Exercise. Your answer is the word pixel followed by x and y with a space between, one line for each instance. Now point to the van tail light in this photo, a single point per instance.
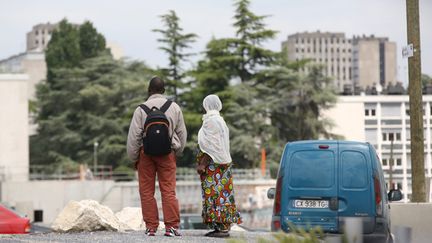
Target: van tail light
pixel 277 201
pixel 378 198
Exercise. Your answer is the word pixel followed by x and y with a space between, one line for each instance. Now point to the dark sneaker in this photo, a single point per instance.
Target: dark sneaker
pixel 217 234
pixel 150 232
pixel 171 232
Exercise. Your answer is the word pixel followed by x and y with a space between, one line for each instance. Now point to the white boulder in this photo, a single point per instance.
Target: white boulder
pixel 237 228
pixel 87 215
pixel 132 218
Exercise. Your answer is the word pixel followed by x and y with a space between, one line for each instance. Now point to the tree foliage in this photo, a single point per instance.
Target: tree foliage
pixel 174 42
pixel 70 44
pixel 86 104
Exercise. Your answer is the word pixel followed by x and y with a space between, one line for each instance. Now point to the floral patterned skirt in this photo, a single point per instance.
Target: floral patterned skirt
pixel 219 209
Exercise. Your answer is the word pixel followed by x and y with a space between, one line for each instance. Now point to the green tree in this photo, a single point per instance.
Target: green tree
pixel 229 59
pixel 251 33
pixel 174 42
pixel 70 44
pixel 63 49
pixel 90 41
pixel 426 79
pixel 92 102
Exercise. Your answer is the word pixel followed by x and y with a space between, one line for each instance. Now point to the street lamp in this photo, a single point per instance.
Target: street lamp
pixel 95 147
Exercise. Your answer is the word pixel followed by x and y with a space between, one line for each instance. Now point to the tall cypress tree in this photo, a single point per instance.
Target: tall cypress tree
pixel 251 33
pixel 174 42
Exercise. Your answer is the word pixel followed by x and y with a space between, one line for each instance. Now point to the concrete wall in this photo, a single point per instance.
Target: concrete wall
pixel 390 57
pixel 14 135
pixel 368 62
pixel 50 196
pixel 417 216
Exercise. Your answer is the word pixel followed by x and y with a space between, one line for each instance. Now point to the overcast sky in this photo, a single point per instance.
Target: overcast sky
pixel 129 23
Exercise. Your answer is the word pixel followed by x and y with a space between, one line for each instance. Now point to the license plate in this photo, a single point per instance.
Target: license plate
pixel 311 204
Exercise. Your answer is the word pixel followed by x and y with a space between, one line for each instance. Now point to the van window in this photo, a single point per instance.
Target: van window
pixel 312 169
pixel 354 170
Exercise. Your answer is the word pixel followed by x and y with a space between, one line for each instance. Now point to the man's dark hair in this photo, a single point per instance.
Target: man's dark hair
pixel 156 86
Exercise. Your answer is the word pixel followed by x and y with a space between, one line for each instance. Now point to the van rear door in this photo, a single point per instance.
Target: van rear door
pixel 310 194
pixel 356 198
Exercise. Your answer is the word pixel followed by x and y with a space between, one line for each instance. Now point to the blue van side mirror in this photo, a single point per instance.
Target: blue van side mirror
pixel 394 195
pixel 271 193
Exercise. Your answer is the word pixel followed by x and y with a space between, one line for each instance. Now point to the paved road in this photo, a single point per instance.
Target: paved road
pixel 136 236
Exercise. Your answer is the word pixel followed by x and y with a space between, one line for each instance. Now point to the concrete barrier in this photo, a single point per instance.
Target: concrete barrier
pixel 417 216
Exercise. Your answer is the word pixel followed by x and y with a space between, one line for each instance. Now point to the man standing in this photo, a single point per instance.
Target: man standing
pixel 156 121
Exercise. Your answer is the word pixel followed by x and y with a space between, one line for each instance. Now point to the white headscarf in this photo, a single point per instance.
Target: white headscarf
pixel 213 137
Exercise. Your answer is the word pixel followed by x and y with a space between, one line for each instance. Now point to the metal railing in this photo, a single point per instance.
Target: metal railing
pixel 106 173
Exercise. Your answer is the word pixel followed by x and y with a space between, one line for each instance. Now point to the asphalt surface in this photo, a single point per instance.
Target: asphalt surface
pixel 134 236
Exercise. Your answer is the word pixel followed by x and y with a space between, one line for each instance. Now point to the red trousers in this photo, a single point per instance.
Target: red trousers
pixel 165 169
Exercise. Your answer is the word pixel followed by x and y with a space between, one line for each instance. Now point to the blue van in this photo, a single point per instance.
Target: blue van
pixel 320 183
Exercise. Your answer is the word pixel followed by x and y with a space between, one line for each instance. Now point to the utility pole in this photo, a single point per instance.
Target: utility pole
pixel 416 103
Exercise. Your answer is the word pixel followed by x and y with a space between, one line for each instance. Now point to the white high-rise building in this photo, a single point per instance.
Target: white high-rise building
pixel 378 119
pixel 360 61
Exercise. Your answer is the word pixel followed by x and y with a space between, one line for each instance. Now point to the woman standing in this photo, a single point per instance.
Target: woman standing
pixel 214 166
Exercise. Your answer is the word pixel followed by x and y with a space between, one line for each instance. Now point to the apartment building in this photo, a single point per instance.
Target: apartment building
pixel 359 61
pixel 39 36
pixel 379 119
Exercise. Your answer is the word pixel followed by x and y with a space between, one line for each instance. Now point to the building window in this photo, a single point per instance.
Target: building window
pixel 337 50
pixel 302 41
pixel 297 50
pixel 366 112
pixel 302 50
pixel 389 136
pixel 37 42
pixel 36 32
pixel 296 41
pixel 308 50
pixel 373 112
pixel 384 162
pixel 331 50
pixel 398 162
pixel 343 50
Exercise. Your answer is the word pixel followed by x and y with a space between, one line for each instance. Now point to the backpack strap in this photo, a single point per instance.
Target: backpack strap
pixel 145 108
pixel 165 106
